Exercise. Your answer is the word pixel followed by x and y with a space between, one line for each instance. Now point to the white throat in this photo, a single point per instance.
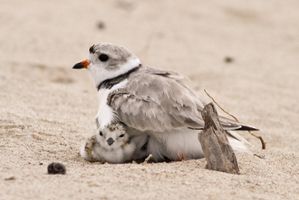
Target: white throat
pixel 100 74
pixel 105 114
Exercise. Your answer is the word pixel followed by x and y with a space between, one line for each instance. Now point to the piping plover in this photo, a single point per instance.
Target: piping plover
pixel 112 144
pixel 150 101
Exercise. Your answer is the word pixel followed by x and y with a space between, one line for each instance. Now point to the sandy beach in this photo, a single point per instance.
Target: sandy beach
pixel 47 110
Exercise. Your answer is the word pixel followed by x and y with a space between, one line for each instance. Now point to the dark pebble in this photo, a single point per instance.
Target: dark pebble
pixel 101 25
pixel 56 168
pixel 10 178
pixel 228 59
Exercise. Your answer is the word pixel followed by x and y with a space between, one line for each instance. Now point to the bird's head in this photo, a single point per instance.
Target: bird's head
pixel 107 61
pixel 112 137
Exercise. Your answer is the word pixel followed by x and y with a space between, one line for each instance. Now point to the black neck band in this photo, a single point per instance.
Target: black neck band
pixel 109 83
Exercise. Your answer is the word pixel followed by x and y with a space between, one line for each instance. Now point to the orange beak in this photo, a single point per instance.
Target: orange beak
pixel 81 65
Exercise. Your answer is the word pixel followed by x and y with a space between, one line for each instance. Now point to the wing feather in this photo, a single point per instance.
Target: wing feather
pixel 158 101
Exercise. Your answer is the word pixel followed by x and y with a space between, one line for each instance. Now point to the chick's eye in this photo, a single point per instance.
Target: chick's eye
pixel 122 135
pixel 103 57
pixel 101 133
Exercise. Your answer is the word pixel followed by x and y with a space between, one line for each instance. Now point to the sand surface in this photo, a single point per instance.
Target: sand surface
pixel 47 109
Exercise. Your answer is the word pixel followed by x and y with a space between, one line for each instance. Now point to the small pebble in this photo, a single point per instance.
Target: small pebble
pixel 101 25
pixel 56 168
pixel 10 178
pixel 228 59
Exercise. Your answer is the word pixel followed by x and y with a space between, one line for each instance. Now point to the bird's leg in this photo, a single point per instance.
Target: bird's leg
pixel 181 156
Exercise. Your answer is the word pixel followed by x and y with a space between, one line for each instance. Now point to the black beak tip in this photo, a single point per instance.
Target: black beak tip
pixel 110 141
pixel 78 66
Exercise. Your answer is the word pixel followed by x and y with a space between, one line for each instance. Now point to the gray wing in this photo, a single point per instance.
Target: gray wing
pixel 158 101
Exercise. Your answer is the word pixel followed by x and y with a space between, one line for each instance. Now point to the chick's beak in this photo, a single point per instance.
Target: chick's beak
pixel 81 65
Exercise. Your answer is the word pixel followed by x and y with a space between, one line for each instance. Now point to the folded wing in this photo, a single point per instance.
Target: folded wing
pixel 158 101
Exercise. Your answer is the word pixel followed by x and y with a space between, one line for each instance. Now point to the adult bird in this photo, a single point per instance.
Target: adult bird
pixel 151 101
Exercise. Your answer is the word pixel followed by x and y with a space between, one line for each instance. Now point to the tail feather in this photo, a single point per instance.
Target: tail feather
pixel 238 146
pixel 238 143
pixel 247 128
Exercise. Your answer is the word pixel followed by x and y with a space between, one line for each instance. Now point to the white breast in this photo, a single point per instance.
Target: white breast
pixel 176 145
pixel 105 113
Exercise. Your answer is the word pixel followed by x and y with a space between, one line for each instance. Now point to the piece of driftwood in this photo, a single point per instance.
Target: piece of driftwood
pixel 217 150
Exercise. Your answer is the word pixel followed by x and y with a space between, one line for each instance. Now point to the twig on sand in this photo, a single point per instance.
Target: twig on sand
pixel 259 156
pixel 237 120
pixel 260 138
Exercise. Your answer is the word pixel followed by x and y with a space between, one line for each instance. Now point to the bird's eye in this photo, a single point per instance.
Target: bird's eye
pixel 103 57
pixel 122 135
pixel 101 133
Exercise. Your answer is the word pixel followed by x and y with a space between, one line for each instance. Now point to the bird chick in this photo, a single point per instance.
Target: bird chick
pixel 111 144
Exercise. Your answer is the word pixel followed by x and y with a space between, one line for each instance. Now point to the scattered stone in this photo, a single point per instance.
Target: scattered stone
pixel 101 25
pixel 125 5
pixel 228 59
pixel 11 178
pixel 56 168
